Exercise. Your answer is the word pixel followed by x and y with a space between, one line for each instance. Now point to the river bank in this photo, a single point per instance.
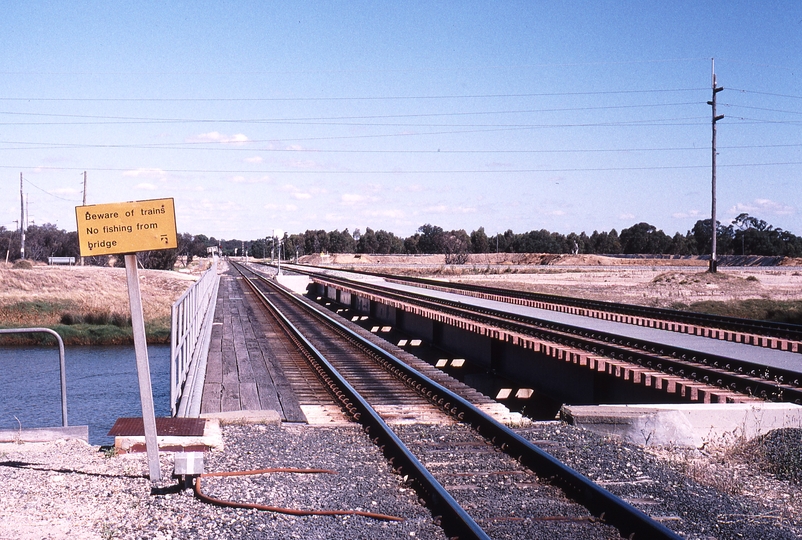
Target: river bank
pixel 87 305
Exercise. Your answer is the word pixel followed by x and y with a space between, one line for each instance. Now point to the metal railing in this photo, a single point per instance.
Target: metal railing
pixel 61 362
pixel 192 315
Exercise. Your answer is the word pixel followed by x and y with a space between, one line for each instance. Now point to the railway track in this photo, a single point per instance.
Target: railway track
pixel 755 332
pixel 483 463
pixel 709 377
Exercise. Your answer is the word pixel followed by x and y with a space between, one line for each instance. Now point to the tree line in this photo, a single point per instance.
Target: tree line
pixel 746 235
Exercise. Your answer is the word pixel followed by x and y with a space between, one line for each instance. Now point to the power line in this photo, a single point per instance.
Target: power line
pixel 333 118
pixel 233 148
pixel 791 96
pixel 647 122
pixel 358 98
pixel 783 111
pixel 416 171
pixel 47 192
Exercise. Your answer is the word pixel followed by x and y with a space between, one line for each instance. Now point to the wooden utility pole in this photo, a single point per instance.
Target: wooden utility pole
pixel 713 223
pixel 21 219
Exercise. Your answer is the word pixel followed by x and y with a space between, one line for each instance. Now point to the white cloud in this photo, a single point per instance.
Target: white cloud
pixel 688 214
pixel 302 164
pixel 217 137
pixel 355 199
pixel 254 159
pixel 763 206
pixel 390 212
pixel 301 195
pixel 145 173
pixel 414 188
pixel 445 209
pixel 285 207
pixel 249 180
pixel 64 191
pixel 352 198
pixel 626 216
pixel 145 185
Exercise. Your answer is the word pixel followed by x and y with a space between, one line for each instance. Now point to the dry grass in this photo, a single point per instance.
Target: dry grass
pixel 739 467
pixel 44 295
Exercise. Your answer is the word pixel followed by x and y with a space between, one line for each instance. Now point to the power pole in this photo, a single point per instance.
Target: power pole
pixel 21 219
pixel 712 103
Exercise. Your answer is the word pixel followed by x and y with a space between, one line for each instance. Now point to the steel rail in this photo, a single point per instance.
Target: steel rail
pixel 732 374
pixel 734 324
pixel 453 518
pixel 631 522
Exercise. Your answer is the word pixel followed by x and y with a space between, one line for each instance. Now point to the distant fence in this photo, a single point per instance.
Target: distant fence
pixel 192 316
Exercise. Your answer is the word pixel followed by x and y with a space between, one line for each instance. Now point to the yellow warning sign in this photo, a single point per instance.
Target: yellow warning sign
pixel 116 228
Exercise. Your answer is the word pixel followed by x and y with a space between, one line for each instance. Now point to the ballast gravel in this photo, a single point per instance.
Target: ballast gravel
pixel 663 489
pixel 68 489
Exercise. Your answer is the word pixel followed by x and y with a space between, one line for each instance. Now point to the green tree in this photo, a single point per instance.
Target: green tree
pixel 368 243
pixel 644 238
pixel 431 239
pixel 480 243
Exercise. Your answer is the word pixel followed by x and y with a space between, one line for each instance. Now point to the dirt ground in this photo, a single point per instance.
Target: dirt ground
pixel 650 282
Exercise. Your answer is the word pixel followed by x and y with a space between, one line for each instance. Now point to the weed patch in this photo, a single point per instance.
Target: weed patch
pixel 756 309
pixel 778 452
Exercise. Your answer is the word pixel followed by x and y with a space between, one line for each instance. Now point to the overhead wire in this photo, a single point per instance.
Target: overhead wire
pixel 358 117
pixel 411 171
pixel 362 98
pixel 47 192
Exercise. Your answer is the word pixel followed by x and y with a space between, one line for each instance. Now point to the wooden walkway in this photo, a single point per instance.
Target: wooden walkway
pixel 241 371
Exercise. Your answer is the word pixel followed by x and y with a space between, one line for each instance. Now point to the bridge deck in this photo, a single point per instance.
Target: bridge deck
pixel 241 371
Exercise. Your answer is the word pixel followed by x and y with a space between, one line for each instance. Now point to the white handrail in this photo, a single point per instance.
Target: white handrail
pixel 192 315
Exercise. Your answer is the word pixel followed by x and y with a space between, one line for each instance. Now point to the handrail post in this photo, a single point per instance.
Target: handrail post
pixel 62 366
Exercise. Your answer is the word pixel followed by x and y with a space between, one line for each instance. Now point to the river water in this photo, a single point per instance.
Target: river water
pixel 102 386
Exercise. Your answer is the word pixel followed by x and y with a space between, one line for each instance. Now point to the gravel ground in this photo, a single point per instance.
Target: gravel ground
pixel 700 494
pixel 68 489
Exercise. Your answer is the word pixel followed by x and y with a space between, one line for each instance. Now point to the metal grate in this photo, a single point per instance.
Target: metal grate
pixel 170 427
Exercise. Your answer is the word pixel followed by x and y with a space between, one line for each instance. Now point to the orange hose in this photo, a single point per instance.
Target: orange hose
pixel 231 504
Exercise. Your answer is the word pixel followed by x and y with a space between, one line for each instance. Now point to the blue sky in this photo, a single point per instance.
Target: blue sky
pixel 568 116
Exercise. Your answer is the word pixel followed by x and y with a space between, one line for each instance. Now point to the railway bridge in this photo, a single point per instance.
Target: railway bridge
pixel 434 376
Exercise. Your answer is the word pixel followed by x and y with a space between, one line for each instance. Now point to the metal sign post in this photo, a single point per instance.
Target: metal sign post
pixel 143 367
pixel 124 229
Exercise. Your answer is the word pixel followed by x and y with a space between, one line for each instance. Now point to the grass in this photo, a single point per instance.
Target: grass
pixel 778 452
pixel 157 332
pixel 756 309
pixel 85 305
